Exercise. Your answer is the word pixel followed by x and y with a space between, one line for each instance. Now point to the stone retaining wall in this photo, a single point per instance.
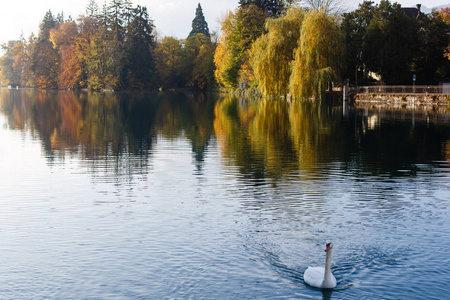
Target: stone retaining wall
pixel 407 99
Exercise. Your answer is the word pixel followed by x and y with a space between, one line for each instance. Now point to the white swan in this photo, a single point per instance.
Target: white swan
pixel 321 277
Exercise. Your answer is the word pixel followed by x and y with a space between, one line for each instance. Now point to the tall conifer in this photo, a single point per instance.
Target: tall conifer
pixel 199 24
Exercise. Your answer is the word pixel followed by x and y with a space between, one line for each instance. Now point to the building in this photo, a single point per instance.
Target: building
pixel 414 12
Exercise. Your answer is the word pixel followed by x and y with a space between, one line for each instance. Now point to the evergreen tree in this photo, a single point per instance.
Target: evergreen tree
pixel 92 9
pixel 199 24
pixel 239 31
pixel 140 45
pixel 44 59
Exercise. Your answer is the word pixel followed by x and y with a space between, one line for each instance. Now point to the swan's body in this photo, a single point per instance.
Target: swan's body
pixel 321 277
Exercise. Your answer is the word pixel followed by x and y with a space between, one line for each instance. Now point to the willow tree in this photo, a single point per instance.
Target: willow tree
pixel 318 58
pixel 273 52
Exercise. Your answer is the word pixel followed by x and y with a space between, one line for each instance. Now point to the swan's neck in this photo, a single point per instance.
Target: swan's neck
pixel 327 275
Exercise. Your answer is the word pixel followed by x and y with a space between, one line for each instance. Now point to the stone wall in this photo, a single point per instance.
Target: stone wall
pixel 404 99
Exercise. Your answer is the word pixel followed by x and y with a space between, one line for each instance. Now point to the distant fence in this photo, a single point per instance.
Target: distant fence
pixel 402 89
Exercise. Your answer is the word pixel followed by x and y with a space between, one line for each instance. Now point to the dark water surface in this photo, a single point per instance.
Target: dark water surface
pixel 139 196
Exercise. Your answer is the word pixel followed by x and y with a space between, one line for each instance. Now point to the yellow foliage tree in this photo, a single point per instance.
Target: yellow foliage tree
pixel 273 52
pixel 168 60
pixel 319 56
pixel 239 32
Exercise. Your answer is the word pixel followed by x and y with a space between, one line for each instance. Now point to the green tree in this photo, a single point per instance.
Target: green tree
pixel 354 25
pixel 232 57
pixel 202 73
pixel 168 61
pixel 100 63
pixel 190 50
pixel 199 24
pixel 390 43
pixel 92 9
pixel 44 59
pixel 430 63
pixel 141 70
pixel 118 17
pixel 272 7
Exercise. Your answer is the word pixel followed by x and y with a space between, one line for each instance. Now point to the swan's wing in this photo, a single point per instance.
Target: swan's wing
pixel 314 276
pixel 333 280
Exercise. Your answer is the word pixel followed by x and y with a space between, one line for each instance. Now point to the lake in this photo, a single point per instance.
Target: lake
pixel 185 196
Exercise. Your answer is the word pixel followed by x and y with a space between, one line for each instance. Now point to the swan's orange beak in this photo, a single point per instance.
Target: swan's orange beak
pixel 327 247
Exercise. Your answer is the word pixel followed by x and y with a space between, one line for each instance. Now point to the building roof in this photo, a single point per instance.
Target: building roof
pixel 414 12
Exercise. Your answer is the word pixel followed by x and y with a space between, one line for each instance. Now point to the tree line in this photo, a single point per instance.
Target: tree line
pixel 303 49
pixel 275 46
pixel 113 47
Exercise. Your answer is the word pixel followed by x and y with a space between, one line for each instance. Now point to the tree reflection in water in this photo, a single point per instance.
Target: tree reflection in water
pixel 264 139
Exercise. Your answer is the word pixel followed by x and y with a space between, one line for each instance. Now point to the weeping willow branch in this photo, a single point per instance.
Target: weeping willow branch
pixel 318 59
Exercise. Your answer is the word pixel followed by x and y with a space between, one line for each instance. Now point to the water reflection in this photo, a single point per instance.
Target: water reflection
pixel 109 127
pixel 270 139
pixel 239 193
pixel 265 139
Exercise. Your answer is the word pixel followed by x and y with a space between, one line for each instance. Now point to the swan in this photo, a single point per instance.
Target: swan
pixel 321 277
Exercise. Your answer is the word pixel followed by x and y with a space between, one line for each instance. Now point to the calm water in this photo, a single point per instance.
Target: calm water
pixel 139 196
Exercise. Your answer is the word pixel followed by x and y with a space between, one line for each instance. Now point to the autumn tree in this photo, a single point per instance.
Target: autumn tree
pixel 273 52
pixel 201 70
pixel 232 57
pixel 100 64
pixel 10 69
pixel 88 26
pixel 63 38
pixel 444 14
pixel 318 57
pixel 44 59
pixel 168 61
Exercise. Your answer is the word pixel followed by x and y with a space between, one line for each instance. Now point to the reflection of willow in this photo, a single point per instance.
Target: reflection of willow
pixel 311 131
pixel 272 138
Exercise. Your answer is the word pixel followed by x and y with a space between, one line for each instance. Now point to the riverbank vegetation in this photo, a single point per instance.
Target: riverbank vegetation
pixel 276 47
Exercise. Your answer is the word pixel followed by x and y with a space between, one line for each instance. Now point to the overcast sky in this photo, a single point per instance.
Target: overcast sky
pixel 170 17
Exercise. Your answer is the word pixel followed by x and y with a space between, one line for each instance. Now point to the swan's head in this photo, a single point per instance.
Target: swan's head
pixel 329 246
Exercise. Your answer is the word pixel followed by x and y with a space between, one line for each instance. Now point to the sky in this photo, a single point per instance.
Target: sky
pixel 171 18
